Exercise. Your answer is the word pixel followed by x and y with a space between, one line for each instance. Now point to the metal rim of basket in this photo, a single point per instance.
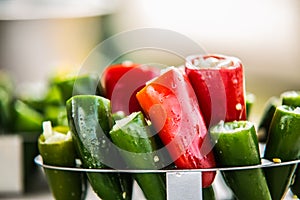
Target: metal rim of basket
pixel 264 163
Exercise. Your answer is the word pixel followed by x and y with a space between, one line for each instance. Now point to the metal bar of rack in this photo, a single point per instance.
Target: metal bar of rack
pixel 180 184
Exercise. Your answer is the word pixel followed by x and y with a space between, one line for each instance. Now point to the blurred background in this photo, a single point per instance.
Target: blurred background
pixel 38 38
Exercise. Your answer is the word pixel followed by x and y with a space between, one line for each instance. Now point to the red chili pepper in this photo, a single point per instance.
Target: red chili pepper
pixel 171 104
pixel 121 83
pixel 218 82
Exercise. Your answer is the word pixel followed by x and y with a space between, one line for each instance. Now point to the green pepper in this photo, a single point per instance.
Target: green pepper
pixel 290 98
pixel 25 118
pixel 165 161
pixel 90 121
pixel 77 85
pixel 56 114
pixel 131 134
pixel 295 187
pixel 265 121
pixel 236 145
pixel 6 98
pixel 5 116
pixel 208 193
pixel 53 96
pixel 57 148
pixel 283 144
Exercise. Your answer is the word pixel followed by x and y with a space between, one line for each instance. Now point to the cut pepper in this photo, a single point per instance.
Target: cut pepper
pixel 131 134
pixel 236 145
pixel 290 98
pixel 219 84
pixel 284 143
pixel 171 104
pixel 57 149
pixel 90 121
pixel 121 83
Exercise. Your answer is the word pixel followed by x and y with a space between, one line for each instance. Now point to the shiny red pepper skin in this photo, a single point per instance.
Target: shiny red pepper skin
pixel 220 90
pixel 171 104
pixel 122 81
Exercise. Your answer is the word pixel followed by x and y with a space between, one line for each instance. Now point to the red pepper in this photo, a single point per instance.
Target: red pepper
pixel 171 104
pixel 218 82
pixel 121 83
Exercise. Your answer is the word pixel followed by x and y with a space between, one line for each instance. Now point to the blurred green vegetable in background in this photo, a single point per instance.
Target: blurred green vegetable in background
pixel 22 112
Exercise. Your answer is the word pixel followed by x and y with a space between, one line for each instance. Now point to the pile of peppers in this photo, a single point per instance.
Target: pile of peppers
pixel 280 125
pixel 190 117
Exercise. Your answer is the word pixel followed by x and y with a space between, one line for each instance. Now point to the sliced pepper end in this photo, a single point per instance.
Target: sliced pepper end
pixel 212 61
pixel 290 98
pixel 229 136
pixel 232 127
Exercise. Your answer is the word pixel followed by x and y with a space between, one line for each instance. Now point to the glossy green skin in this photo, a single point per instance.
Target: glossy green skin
pixel 238 146
pixel 284 143
pixel 136 147
pixel 293 101
pixel 63 184
pixel 90 120
pixel 266 119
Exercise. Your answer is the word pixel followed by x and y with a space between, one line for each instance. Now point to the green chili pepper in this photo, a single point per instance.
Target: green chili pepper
pixel 131 134
pixel 6 98
pixel 265 121
pixel 25 118
pixel 56 114
pixel 236 145
pixel 290 98
pixel 208 193
pixel 90 121
pixel 53 96
pixel 77 85
pixel 5 116
pixel 283 144
pixel 295 187
pixel 56 148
